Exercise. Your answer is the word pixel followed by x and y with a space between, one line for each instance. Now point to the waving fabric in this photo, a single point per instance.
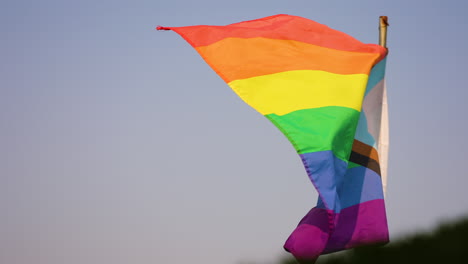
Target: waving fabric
pixel 324 90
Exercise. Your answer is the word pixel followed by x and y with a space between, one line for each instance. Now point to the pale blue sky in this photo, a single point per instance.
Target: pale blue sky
pixel 119 145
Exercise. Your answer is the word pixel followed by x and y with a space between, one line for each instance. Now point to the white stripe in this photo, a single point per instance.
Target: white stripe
pixel 383 144
pixel 372 108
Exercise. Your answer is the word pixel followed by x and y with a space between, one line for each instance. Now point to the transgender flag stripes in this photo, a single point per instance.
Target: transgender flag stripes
pixel 361 218
pixel 315 84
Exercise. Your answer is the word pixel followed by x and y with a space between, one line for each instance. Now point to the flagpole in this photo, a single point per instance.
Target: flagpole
pixel 384 141
pixel 383 31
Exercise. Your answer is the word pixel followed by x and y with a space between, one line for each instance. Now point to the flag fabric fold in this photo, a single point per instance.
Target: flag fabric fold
pixel 324 90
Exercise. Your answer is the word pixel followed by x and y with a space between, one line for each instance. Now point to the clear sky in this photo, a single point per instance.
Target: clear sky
pixel 119 145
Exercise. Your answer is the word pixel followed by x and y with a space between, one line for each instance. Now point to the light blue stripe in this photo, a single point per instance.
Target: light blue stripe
pixel 362 132
pixel 376 75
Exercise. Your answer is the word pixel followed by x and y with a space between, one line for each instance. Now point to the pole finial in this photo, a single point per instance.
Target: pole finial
pixel 383 24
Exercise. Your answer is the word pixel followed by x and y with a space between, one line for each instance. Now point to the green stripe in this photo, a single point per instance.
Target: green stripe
pixel 320 129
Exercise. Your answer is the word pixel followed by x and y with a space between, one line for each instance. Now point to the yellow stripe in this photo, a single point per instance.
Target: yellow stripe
pixel 285 92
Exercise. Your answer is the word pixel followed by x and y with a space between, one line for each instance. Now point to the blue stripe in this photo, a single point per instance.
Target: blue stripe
pixel 360 185
pixel 326 172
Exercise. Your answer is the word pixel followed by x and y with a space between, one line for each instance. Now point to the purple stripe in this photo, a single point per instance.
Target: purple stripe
pixel 317 217
pixel 361 224
pixel 371 225
pixel 358 225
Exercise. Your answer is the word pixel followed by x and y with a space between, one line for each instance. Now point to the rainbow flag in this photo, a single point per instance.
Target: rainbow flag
pixel 324 90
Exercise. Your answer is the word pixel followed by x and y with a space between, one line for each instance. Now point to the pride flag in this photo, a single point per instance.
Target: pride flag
pixel 324 90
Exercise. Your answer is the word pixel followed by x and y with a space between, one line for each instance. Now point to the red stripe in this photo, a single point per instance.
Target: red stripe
pixel 283 27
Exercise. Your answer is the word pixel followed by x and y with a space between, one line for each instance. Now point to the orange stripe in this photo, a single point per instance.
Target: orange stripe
pixel 239 58
pixel 278 27
pixel 365 150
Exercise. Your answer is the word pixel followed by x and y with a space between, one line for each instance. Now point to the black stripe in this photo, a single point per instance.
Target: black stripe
pixel 365 161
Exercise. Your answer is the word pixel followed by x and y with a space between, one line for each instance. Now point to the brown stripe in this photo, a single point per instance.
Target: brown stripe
pixel 365 150
pixel 365 162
